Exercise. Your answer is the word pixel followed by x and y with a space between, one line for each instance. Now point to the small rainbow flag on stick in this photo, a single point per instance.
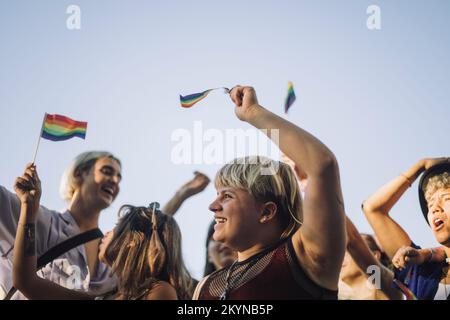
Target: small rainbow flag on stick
pixel 290 97
pixel 189 100
pixel 58 128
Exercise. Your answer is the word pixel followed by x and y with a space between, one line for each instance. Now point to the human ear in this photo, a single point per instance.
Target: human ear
pixel 269 212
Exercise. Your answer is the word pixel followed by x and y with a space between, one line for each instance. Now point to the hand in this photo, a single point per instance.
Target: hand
pixel 406 256
pixel 428 163
pixel 196 185
pixel 28 187
pixel 246 102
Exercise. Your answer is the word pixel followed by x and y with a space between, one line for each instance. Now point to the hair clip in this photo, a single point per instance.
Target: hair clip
pixel 154 206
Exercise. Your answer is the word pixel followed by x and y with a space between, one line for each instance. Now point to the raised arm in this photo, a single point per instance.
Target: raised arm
pixel 28 189
pixel 323 229
pixel 190 188
pixel 377 207
pixel 363 257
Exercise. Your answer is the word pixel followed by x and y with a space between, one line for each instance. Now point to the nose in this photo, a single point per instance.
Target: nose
pixel 215 206
pixel 116 179
pixel 435 208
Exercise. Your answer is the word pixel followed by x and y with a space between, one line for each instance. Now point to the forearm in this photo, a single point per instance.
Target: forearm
pixel 25 278
pixel 358 249
pixel 437 254
pixel 174 203
pixel 24 259
pixel 304 149
pixel 387 196
pixel 368 263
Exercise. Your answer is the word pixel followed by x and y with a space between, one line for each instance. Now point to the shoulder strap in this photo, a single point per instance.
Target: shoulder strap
pixel 62 248
pixel 68 245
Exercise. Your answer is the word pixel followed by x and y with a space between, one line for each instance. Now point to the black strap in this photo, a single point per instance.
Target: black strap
pixel 62 248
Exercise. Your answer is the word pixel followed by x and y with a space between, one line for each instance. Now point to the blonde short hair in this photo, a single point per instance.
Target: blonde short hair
pixel 440 181
pixel 266 180
pixel 83 162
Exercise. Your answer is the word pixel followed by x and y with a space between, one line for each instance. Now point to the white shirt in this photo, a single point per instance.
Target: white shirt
pixel 443 292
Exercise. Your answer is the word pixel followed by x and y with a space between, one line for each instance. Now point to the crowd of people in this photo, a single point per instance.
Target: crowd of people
pixel 280 231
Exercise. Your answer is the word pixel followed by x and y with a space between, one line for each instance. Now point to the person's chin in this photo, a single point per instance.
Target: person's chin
pixel 105 202
pixel 217 236
pixel 443 239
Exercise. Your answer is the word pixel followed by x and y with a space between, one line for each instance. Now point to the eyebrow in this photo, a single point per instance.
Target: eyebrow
pixel 107 166
pixel 226 190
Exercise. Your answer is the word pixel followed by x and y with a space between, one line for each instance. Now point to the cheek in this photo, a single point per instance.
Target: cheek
pixel 446 208
pixel 429 218
pixel 98 177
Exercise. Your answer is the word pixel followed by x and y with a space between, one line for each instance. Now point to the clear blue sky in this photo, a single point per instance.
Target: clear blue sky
pixel 378 99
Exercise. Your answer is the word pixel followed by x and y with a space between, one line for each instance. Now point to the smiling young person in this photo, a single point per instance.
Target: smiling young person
pixel 430 279
pixel 90 184
pixel 143 251
pixel 283 243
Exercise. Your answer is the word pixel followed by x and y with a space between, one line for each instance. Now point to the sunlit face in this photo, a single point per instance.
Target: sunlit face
pixel 439 215
pixel 220 255
pixel 104 245
pixel 100 186
pixel 236 213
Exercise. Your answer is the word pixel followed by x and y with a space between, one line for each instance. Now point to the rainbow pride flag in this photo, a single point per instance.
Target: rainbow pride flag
pixel 59 128
pixel 191 99
pixel 290 97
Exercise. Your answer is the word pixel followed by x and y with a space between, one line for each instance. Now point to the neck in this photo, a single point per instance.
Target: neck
pixel 447 251
pixel 259 247
pixel 84 215
pixel 446 269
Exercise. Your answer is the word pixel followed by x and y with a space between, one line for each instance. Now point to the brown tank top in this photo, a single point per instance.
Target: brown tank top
pixel 273 274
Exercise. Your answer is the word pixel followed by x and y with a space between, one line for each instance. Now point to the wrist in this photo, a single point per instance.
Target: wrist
pixel 413 172
pixel 28 213
pixel 258 116
pixel 420 166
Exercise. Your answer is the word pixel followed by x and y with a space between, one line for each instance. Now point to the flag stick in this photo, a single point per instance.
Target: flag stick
pixel 39 139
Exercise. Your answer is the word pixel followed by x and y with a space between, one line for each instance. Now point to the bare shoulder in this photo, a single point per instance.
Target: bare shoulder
pixel 162 291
